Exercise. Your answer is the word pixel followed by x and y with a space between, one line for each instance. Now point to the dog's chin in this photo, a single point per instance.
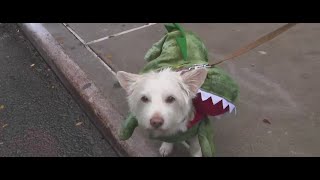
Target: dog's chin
pixel 156 132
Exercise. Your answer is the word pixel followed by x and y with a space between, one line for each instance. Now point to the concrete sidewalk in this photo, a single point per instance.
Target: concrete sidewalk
pixel 278 81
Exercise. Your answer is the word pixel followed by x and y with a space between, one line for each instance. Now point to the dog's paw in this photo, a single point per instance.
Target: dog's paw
pixel 197 154
pixel 165 149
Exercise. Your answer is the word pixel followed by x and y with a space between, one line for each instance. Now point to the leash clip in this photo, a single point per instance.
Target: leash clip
pixel 196 66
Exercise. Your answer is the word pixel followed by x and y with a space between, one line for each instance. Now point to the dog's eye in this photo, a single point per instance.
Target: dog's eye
pixel 170 99
pixel 144 99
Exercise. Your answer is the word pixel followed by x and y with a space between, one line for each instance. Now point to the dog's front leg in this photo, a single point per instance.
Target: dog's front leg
pixel 195 148
pixel 165 149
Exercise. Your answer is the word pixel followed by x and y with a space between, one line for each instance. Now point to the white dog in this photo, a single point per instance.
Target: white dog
pixel 162 102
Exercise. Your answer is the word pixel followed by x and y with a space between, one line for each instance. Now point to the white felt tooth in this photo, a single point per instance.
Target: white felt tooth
pixel 204 96
pixel 215 99
pixel 201 91
pixel 224 103
pixel 231 107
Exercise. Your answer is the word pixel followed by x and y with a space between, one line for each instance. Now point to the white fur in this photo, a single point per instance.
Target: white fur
pixel 157 87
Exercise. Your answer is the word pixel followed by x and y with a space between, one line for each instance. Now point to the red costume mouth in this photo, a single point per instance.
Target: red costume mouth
pixel 207 104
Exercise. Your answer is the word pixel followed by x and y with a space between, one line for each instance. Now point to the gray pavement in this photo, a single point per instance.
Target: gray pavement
pixel 278 80
pixel 38 117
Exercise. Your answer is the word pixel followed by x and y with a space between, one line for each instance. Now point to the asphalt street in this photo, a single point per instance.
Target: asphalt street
pixel 38 117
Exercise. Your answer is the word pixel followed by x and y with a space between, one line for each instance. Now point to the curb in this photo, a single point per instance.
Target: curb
pixel 84 91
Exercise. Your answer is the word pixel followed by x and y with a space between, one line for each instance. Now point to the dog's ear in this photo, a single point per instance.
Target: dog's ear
pixel 194 79
pixel 126 79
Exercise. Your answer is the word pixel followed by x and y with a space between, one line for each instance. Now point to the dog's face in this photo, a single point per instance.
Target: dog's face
pixel 161 101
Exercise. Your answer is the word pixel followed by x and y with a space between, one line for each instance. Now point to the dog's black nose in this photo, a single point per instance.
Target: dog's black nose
pixel 156 122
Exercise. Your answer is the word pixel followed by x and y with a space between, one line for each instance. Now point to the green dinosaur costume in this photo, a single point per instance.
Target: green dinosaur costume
pixel 180 49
